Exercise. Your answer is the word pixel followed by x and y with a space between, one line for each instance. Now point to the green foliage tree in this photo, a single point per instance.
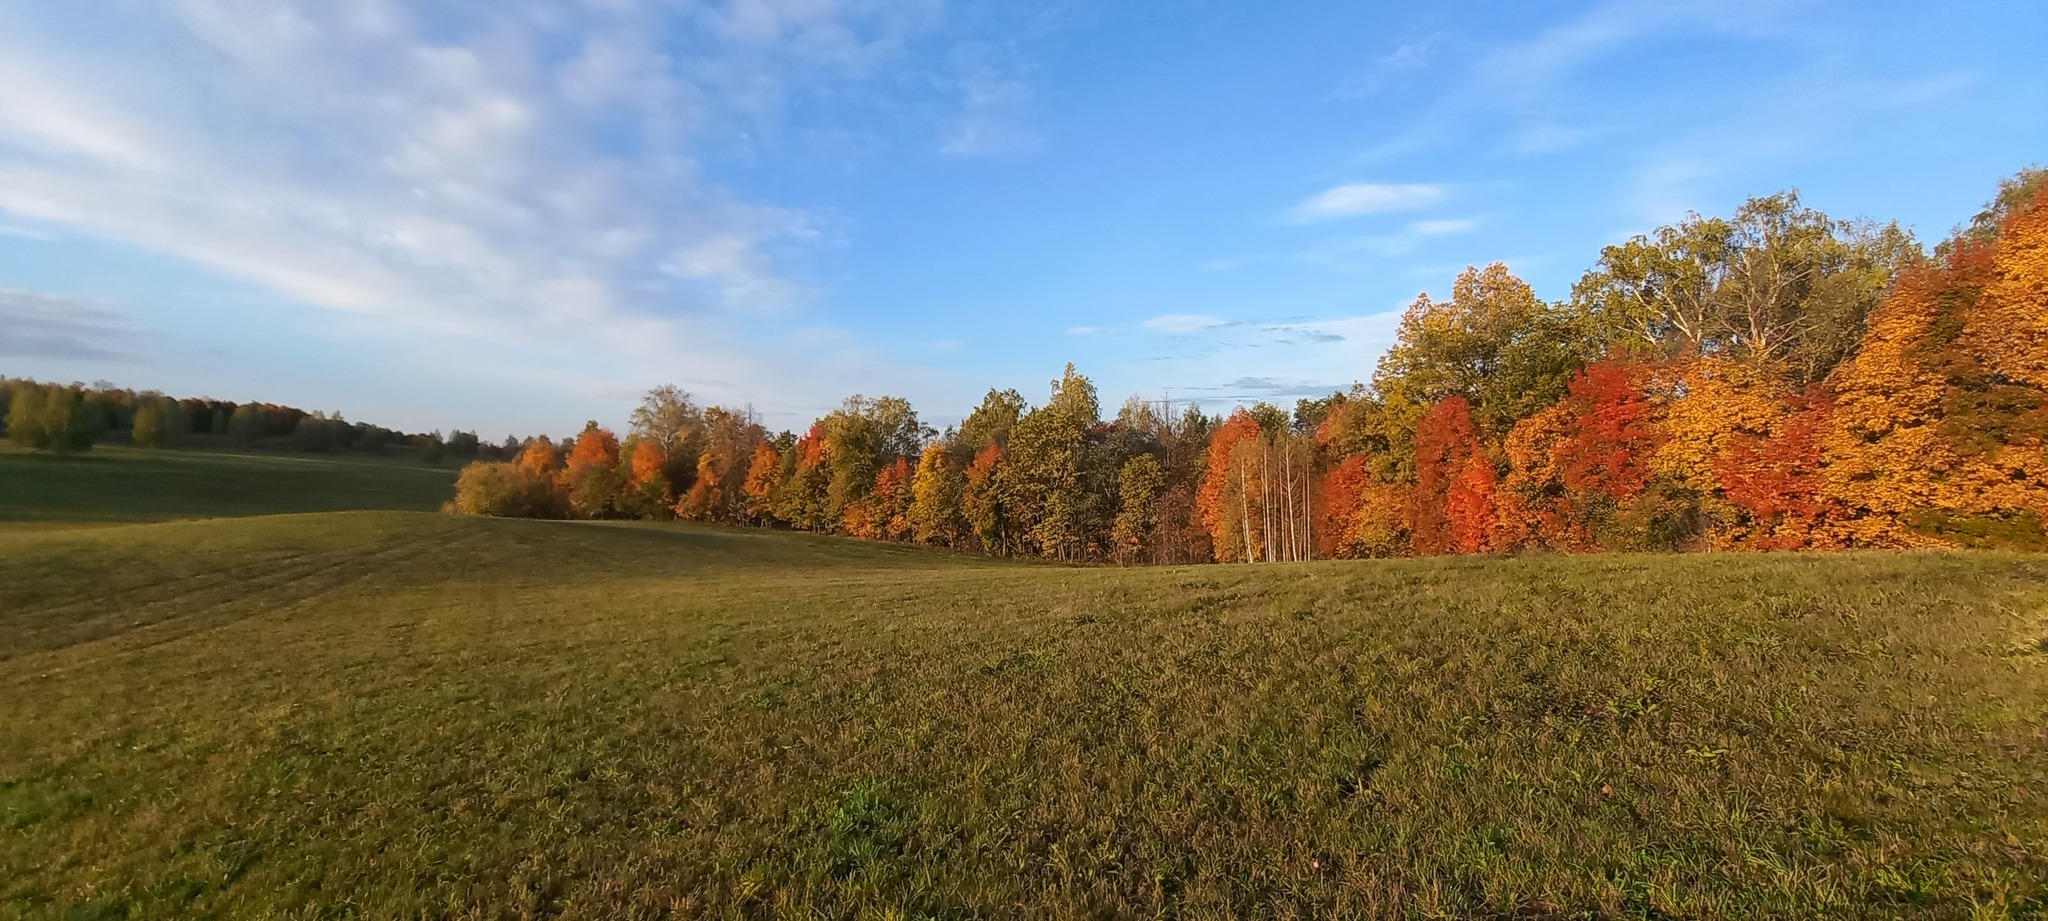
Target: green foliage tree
pixel 317 432
pixel 1138 487
pixel 1073 396
pixel 981 501
pixel 991 422
pixel 246 425
pixel 48 417
pixel 372 439
pixel 1779 286
pixel 1042 489
pixel 150 428
pixel 860 437
pixel 1494 343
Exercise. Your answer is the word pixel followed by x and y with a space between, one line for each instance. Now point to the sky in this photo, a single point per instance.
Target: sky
pixel 515 216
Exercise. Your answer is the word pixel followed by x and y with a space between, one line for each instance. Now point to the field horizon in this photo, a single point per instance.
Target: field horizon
pixel 406 714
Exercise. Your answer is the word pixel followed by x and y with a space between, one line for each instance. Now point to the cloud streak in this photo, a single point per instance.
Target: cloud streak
pixel 49 326
pixel 1183 323
pixel 1362 198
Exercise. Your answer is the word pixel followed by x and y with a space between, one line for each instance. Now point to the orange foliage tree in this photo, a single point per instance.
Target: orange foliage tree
pixel 590 479
pixel 889 503
pixel 647 487
pixel 1937 431
pixel 981 500
pixel 805 498
pixel 1532 507
pixel 538 458
pixel 1223 504
pixel 764 477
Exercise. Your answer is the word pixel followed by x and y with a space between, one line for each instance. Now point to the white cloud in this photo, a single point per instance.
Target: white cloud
pixel 1183 323
pixel 1366 198
pixel 42 116
pixel 456 172
pixel 1083 330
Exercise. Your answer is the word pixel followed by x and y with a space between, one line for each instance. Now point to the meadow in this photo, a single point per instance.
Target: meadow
pixel 113 484
pixel 389 713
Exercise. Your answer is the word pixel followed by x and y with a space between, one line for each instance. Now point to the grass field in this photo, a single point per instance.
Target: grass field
pixel 405 715
pixel 115 484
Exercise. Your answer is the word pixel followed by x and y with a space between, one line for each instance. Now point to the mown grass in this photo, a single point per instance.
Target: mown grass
pixel 112 484
pixel 390 715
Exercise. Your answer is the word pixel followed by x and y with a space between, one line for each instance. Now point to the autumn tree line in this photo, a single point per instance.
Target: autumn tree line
pixel 67 418
pixel 1773 380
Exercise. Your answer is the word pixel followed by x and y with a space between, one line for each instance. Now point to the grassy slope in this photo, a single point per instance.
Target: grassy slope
pixel 114 484
pixel 381 715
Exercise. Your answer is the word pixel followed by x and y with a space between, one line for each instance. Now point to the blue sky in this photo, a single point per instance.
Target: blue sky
pixel 519 215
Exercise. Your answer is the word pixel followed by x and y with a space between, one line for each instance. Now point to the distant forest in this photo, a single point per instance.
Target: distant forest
pixel 65 418
pixel 1777 379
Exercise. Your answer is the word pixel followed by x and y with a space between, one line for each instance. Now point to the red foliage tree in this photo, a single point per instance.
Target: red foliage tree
pixel 1777 481
pixel 1338 500
pixel 1445 443
pixel 1614 434
pixel 1470 505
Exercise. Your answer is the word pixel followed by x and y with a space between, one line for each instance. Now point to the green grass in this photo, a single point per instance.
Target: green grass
pixel 394 715
pixel 116 484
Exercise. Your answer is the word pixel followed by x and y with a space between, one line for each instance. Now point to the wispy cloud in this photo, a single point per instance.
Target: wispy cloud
pixel 995 119
pixel 1228 361
pixel 1512 96
pixel 996 109
pixel 1794 114
pixel 1366 198
pixel 51 326
pixel 1083 330
pixel 1390 68
pixel 1183 323
pixel 1253 389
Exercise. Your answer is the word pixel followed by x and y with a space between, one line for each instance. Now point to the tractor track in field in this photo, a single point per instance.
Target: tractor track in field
pixel 168 609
